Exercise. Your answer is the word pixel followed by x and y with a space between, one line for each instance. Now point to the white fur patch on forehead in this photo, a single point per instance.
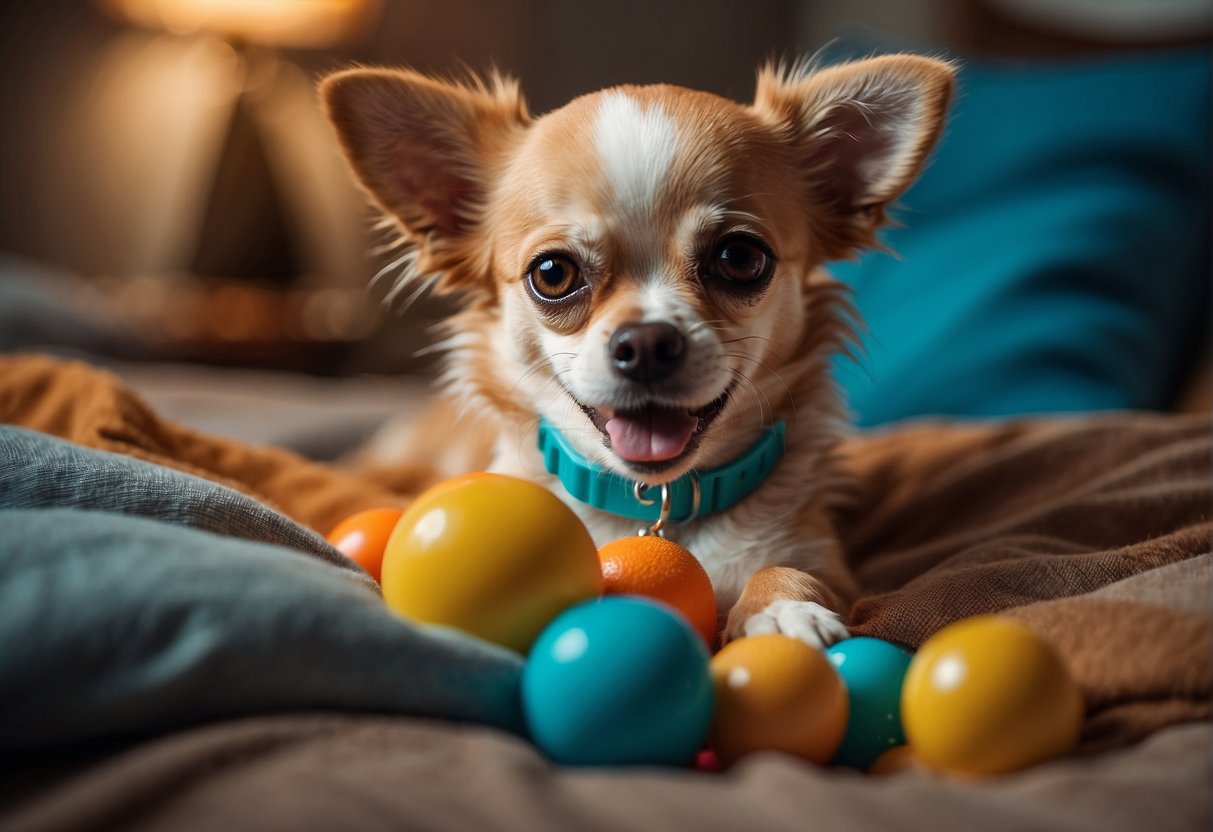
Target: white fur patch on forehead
pixel 661 301
pixel 636 146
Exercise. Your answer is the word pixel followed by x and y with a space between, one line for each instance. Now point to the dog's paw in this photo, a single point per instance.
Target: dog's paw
pixel 807 621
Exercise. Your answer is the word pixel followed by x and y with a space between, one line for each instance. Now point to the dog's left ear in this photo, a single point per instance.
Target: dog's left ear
pixel 860 132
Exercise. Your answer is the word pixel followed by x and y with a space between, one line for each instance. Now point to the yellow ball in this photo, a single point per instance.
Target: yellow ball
pixel 774 693
pixel 494 556
pixel 987 696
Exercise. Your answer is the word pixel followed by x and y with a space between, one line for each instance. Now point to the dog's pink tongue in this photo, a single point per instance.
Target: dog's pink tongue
pixel 651 436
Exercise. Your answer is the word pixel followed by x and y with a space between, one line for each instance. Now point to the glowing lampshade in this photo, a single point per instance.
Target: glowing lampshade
pixel 289 23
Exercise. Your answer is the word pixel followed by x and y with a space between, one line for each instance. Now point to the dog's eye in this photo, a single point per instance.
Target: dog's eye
pixel 740 258
pixel 554 276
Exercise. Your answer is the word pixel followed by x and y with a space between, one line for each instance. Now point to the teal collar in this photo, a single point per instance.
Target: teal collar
pixel 719 489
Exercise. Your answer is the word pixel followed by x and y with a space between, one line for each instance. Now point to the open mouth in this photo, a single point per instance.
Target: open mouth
pixel 654 437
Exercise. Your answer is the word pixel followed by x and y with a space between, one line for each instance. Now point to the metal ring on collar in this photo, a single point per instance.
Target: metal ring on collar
pixel 663 518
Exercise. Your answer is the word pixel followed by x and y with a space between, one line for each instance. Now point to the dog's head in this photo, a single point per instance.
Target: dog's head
pixel 638 265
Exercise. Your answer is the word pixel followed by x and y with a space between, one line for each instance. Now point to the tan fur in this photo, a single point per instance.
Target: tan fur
pixel 478 188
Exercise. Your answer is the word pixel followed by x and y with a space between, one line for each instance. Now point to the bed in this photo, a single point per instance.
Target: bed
pixel 183 650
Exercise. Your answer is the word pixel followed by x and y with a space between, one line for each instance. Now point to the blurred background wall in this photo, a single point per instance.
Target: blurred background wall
pixel 173 185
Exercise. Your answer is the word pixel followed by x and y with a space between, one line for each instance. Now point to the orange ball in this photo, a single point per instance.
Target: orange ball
pixel 775 693
pixel 363 537
pixel 660 569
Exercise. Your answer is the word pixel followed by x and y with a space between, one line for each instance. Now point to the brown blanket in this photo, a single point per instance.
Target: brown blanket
pixel 1041 521
pixel 1095 532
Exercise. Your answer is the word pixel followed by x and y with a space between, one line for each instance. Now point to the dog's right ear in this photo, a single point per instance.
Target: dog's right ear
pixel 426 151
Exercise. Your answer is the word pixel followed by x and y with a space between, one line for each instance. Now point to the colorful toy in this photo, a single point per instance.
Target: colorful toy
pixel 872 671
pixel 619 681
pixel 627 680
pixel 362 537
pixel 661 569
pixel 494 556
pixel 986 696
pixel 776 693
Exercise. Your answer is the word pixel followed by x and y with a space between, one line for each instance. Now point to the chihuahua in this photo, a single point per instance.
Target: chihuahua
pixel 645 325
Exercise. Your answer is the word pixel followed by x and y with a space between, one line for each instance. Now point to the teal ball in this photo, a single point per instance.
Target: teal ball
pixel 618 681
pixel 873 671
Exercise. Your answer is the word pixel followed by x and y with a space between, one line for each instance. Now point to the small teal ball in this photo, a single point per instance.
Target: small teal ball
pixel 873 671
pixel 618 681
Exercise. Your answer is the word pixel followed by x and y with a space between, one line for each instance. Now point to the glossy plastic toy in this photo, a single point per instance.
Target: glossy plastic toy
pixel 619 681
pixel 873 671
pixel 494 556
pixel 987 696
pixel 661 569
pixel 363 537
pixel 774 693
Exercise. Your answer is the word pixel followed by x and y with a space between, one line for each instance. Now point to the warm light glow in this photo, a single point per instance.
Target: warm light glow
pixel 291 23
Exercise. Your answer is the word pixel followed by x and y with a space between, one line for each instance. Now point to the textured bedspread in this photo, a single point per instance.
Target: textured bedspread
pixel 1093 531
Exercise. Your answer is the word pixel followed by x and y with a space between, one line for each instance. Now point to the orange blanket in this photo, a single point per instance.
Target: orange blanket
pixel 1095 532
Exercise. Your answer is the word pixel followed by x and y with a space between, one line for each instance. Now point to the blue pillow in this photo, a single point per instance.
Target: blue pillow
pixel 1054 257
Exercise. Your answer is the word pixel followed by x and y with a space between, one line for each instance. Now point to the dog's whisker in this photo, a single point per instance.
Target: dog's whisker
pixel 564 418
pixel 553 386
pixel 774 354
pixel 538 364
pixel 755 390
pixel 550 388
pixel 774 374
pixel 744 392
pixel 749 386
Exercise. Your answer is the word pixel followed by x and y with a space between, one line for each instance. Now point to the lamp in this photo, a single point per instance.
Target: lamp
pixel 248 227
pixel 256 241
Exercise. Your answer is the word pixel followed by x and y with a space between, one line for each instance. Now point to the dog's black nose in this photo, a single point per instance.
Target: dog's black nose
pixel 647 352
